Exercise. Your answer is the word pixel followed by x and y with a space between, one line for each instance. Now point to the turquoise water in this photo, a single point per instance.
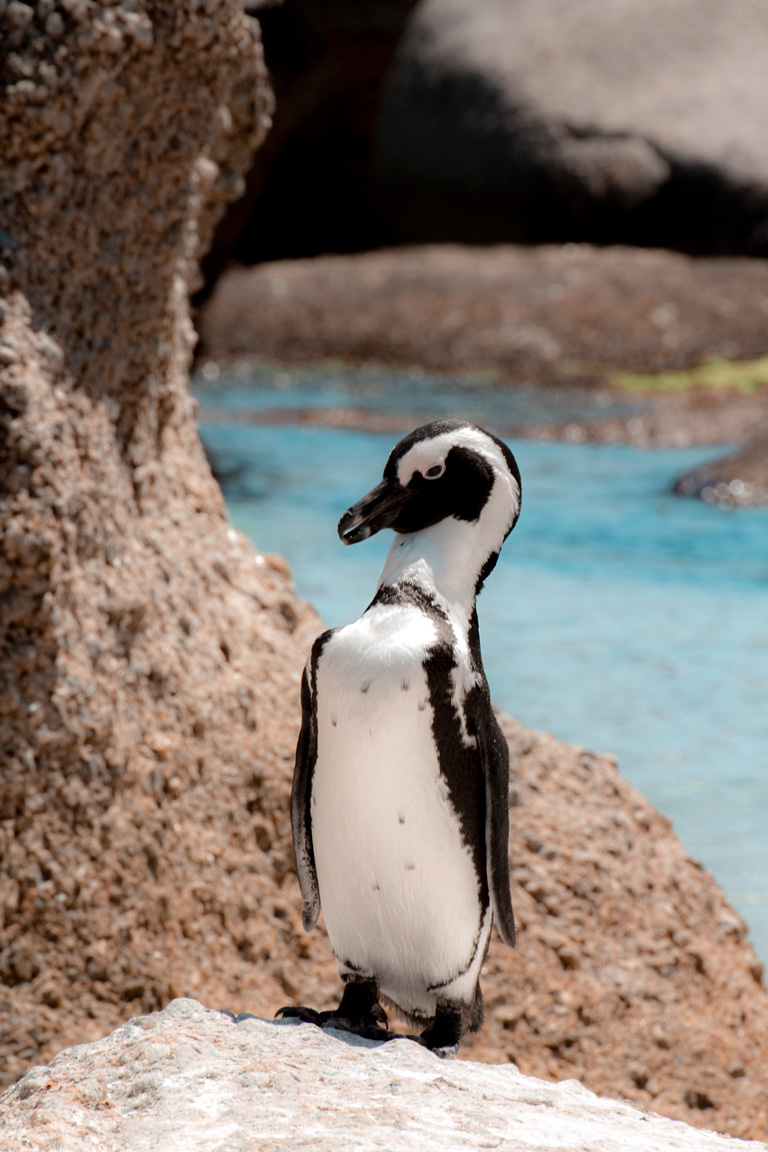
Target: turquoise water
pixel 619 617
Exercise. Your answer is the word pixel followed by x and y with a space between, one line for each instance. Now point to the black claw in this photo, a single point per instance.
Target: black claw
pixel 358 1013
pixel 366 1026
pixel 306 1015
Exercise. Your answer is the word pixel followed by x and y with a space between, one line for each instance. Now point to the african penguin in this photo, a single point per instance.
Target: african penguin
pixel 399 806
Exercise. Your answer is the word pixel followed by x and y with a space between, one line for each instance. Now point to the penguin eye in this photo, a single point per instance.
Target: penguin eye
pixel 434 472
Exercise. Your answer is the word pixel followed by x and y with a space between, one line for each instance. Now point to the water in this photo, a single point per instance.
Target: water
pixel 619 617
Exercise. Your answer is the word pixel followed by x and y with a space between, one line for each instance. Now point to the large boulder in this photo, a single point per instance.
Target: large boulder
pixel 190 1078
pixel 562 314
pixel 640 121
pixel 148 657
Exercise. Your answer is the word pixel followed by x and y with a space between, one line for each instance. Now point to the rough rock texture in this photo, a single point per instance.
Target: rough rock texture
pixel 137 632
pixel 611 120
pixel 188 1078
pixel 555 314
pixel 655 960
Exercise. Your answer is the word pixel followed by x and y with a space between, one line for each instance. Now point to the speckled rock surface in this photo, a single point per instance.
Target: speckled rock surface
pixel 138 632
pixel 558 314
pixel 189 1080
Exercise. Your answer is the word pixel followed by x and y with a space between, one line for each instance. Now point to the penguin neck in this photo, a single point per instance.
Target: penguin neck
pixel 442 561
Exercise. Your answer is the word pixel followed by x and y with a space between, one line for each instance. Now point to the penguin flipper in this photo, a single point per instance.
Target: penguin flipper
pixel 494 755
pixel 303 851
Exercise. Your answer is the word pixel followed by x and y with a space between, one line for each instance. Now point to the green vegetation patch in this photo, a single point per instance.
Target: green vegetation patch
pixel 746 375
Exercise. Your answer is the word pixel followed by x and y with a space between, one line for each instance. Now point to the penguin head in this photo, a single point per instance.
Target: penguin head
pixel 448 473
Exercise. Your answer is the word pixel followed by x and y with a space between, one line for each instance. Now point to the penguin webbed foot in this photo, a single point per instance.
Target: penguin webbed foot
pixel 443 1035
pixel 358 1013
pixel 299 1012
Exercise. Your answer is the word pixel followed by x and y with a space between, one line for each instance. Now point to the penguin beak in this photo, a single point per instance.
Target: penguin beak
pixel 375 511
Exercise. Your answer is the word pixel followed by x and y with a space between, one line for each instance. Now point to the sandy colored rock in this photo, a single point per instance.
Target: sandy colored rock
pixel 656 962
pixel 189 1078
pixel 138 632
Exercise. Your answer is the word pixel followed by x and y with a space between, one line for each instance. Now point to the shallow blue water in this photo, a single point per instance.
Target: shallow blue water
pixel 619 617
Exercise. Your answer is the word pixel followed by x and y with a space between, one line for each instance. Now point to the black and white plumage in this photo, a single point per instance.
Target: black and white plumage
pixel 400 796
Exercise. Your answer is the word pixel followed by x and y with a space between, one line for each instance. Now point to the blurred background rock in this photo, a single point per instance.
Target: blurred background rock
pixel 608 121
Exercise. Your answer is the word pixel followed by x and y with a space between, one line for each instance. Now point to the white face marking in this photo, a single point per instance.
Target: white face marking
pixel 428 454
pixel 449 556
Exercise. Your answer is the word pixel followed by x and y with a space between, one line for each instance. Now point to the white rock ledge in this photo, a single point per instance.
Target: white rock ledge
pixel 188 1079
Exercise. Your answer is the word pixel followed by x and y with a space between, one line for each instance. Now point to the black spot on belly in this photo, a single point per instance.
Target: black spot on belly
pixel 377 888
pixel 334 721
pixel 410 867
pixel 364 687
pixel 405 685
pixel 401 817
pixel 422 705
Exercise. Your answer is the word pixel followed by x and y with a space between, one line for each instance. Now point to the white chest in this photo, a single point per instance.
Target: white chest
pixel 398 887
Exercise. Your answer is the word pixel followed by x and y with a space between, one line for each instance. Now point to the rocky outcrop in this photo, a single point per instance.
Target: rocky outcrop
pixel 492 122
pixel 143 645
pixel 190 1078
pixel 626 941
pixel 555 314
pixel 569 316
pixel 605 121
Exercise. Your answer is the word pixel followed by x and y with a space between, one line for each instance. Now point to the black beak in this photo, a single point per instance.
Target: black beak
pixel 375 511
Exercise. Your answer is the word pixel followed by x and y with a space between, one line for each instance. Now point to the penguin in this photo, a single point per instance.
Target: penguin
pixel 399 806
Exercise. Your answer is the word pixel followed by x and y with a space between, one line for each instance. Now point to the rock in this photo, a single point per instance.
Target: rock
pixel 142 645
pixel 735 481
pixel 570 316
pixel 191 1078
pixel 612 122
pixel 555 314
pixel 328 60
pixel 629 960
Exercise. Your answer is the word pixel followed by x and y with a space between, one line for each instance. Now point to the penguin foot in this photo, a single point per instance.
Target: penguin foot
pixel 359 1012
pixel 305 1015
pixel 444 1051
pixel 363 1026
pixel 443 1035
